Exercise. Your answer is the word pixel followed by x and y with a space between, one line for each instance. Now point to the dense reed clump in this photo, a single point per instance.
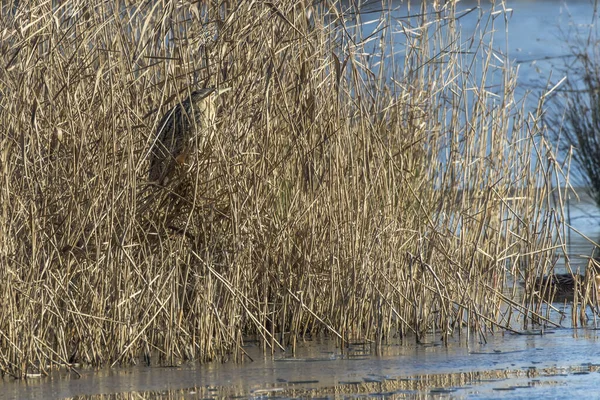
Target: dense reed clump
pixel 356 185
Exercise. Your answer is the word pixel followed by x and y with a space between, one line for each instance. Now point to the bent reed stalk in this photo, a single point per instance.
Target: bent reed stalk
pixel 356 186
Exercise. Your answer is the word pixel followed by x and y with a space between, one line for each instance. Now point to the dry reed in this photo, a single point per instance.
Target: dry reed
pixel 357 185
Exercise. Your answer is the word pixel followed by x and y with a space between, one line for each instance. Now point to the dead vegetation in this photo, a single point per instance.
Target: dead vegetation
pixel 361 183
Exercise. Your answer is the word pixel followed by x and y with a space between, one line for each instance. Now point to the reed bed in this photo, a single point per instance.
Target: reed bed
pixel 357 186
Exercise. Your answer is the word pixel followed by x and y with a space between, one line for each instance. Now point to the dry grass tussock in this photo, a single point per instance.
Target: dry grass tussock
pixel 344 192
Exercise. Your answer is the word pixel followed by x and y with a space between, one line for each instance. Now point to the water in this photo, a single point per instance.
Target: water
pixel 558 363
pixel 540 33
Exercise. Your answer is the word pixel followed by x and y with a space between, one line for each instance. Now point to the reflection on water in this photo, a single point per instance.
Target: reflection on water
pixel 547 382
